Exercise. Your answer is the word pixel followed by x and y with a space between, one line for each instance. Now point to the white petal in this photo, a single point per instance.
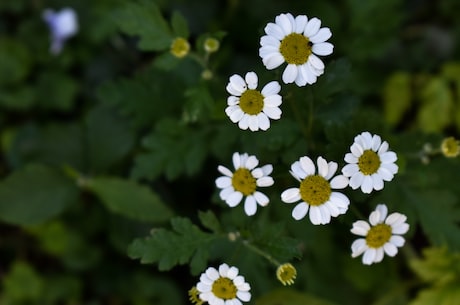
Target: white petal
pixel 332 169
pixel 385 173
pixel 269 41
pixel 250 206
pixel 236 115
pixel 358 247
pixel 360 228
pixel 378 255
pixel 350 158
pixel 244 122
pixel 390 249
pixel 261 198
pixel 300 211
pixel 316 62
pixel 388 157
pixel 273 113
pixel 323 167
pixel 223 269
pixel 315 215
pixel 273 61
pixel 398 241
pixel 225 171
pixel 290 195
pixel 234 199
pixel 300 80
pixel 253 123
pixel 267 169
pixel 202 287
pixel 377 182
pixel 290 74
pixel 251 79
pixel 323 48
pixel 271 88
pixel 350 169
pixel 232 100
pixel 232 272
pixel 238 83
pixel 376 141
pixel 212 273
pixel 300 23
pixel 297 171
pixel 223 182
pixel 383 147
pixel 367 186
pixel 383 210
pixel 393 168
pixel 325 214
pixel 274 100
pixel 369 256
pixel 356 149
pixel 274 30
pixel 395 219
pixel 285 23
pixel 312 27
pixel 340 200
pixel 244 296
pixel 307 166
pixel 333 209
pixel 339 182
pixel 321 36
pixel 400 229
pixel 251 162
pixel 264 122
pixel 206 280
pixel 374 218
pixel 236 159
pixel 264 181
pixel 356 180
pixel 226 192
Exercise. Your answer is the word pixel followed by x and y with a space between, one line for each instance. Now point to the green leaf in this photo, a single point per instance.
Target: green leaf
pixel 199 103
pixel 397 96
pixel 185 244
pixel 436 105
pixel 109 138
pixel 444 295
pixel 179 25
pixel 21 98
pixel 209 220
pixel 22 275
pixel 143 18
pixel 438 266
pixel 286 296
pixel 14 61
pixel 56 91
pixel 173 149
pixel 35 194
pixel 130 199
pixel 166 61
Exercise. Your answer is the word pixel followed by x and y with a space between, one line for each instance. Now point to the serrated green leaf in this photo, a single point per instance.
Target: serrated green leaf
pixel 397 96
pixel 443 295
pixel 130 199
pixel 438 266
pixel 436 105
pixel 35 194
pixel 109 138
pixel 199 103
pixel 173 149
pixel 286 296
pixel 209 220
pixel 144 19
pixel 185 243
pixel 179 25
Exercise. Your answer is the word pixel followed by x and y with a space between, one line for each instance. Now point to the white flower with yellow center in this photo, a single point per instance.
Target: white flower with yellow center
pixel 369 163
pixel 244 182
pixel 316 191
pixel 223 286
pixel 249 107
pixel 382 235
pixel 296 41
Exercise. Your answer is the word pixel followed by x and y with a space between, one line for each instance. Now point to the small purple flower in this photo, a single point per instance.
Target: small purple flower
pixel 63 24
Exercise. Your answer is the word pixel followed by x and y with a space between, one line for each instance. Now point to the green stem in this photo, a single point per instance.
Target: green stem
pixel 259 251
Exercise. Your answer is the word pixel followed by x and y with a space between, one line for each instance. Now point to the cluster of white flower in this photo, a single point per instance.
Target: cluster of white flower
pixel 299 41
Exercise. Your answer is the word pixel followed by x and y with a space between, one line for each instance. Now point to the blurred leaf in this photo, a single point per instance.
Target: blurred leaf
pixel 109 138
pixel 166 61
pixel 199 103
pixel 179 25
pixel 22 275
pixel 35 194
pixel 286 296
pixel 130 199
pixel 397 96
pixel 18 99
pixel 441 269
pixel 173 149
pixel 210 221
pixel 56 91
pixel 436 105
pixel 14 61
pixel 185 244
pixel 143 18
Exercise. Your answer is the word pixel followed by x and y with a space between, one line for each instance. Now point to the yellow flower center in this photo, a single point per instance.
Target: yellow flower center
pixel 450 147
pixel 286 274
pixel 378 235
pixel 315 190
pixel 224 288
pixel 243 181
pixel 369 162
pixel 252 102
pixel 295 48
pixel 180 47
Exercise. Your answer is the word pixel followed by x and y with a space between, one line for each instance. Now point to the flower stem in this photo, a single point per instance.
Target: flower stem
pixel 259 251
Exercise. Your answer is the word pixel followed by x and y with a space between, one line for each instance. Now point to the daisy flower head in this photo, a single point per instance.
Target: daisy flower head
pixel 298 42
pixel 223 286
pixel 381 235
pixel 369 163
pixel 244 182
pixel 62 24
pixel 249 107
pixel 315 192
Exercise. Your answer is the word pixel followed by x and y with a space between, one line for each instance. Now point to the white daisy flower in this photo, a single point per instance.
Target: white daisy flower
pixel 62 24
pixel 244 182
pixel 249 107
pixel 223 286
pixel 316 191
pixel 369 163
pixel 296 41
pixel 381 235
